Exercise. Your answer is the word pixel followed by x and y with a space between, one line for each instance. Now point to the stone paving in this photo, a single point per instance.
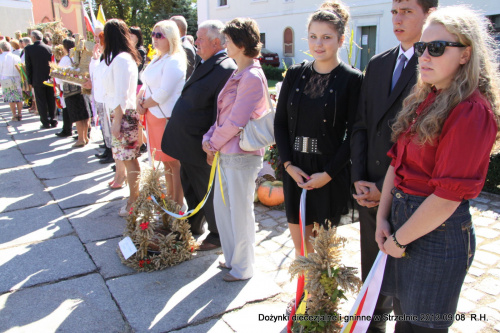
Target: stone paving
pixel 59 270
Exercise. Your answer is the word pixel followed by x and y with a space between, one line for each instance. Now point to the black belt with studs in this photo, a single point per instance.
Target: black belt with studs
pixel 304 144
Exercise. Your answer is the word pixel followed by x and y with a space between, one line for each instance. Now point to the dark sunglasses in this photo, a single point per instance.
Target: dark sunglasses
pixel 157 35
pixel 435 48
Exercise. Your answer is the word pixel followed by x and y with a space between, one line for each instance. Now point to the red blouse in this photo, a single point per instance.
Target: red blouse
pixel 455 167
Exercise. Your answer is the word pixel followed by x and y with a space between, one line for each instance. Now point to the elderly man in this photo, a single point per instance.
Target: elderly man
pixel 186 44
pixel 192 116
pixel 37 57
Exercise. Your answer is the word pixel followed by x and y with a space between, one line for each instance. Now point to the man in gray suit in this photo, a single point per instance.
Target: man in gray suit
pixel 192 116
pixel 186 44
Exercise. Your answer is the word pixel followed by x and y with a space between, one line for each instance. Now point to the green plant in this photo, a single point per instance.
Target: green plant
pixel 492 183
pixel 273 73
pixel 351 49
pixel 273 157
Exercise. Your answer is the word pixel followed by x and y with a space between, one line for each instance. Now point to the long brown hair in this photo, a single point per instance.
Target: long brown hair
pixel 480 72
pixel 117 40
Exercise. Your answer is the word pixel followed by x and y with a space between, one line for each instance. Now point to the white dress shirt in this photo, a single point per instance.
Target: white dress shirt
pixel 96 70
pixel 408 54
pixel 163 80
pixel 120 82
pixel 63 63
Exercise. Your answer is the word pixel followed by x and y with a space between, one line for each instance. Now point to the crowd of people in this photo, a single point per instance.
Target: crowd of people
pixel 411 136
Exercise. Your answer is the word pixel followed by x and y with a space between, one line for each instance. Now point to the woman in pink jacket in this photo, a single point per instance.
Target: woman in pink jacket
pixel 243 97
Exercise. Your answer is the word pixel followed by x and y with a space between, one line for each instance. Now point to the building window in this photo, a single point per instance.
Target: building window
pixel 222 3
pixel 263 39
pixel 288 42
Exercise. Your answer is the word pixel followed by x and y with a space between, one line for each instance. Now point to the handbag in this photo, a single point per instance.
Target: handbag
pixel 259 133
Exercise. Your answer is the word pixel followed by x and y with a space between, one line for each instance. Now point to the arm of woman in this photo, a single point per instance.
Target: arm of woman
pixel 470 128
pixel 383 230
pixel 281 129
pixel 250 92
pixel 173 74
pixel 139 108
pixel 117 122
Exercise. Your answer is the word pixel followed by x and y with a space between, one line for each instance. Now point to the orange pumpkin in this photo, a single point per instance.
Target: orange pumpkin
pixel 271 193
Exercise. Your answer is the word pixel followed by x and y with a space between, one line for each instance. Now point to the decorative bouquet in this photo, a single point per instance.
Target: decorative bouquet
pixel 161 240
pixel 327 281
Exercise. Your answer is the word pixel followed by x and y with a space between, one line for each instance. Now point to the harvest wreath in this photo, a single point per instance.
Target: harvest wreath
pixel 161 240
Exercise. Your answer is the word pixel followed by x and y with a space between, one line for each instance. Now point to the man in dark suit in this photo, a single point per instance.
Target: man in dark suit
pixel 37 57
pixel 186 44
pixel 388 80
pixel 192 116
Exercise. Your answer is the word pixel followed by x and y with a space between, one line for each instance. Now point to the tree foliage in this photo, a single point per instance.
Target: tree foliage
pixel 145 13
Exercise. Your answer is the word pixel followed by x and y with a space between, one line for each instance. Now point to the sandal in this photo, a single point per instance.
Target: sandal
pixel 78 144
pixel 116 186
pixel 229 278
pixel 125 210
pixel 223 265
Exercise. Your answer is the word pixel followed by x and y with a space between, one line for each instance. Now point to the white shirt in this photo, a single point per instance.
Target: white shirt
pixel 96 70
pixel 163 80
pixel 17 52
pixel 8 61
pixel 120 82
pixel 408 54
pixel 63 63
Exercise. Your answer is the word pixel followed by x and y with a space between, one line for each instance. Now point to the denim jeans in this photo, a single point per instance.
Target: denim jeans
pixel 428 280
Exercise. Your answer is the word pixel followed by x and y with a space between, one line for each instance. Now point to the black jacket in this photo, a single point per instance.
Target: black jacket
pixel 378 106
pixel 340 105
pixel 196 110
pixel 190 56
pixel 37 57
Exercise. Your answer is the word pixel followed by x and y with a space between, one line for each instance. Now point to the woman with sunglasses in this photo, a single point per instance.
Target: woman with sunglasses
pixel 120 84
pixel 443 139
pixel 163 80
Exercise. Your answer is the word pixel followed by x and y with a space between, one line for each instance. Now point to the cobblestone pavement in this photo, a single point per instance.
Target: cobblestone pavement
pixel 58 236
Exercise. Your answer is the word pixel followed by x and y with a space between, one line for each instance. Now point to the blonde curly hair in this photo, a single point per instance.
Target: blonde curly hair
pixel 480 72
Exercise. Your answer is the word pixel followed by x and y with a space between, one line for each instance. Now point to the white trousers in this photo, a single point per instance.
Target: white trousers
pixel 236 219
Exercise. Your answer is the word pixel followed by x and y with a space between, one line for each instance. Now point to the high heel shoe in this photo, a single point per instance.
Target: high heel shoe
pixel 117 186
pixel 125 210
pixel 78 144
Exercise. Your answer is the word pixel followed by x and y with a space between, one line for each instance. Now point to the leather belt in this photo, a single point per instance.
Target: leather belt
pixel 304 144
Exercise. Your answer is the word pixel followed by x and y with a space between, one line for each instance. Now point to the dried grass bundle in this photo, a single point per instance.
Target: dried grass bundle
pixel 162 241
pixel 327 280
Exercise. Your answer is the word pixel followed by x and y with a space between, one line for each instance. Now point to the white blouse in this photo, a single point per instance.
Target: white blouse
pixel 8 60
pixel 120 82
pixel 163 80
pixel 96 70
pixel 63 63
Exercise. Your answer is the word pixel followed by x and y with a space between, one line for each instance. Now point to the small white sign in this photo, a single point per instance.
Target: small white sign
pixel 364 40
pixel 127 247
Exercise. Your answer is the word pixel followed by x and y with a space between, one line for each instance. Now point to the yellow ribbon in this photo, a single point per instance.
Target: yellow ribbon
pixel 215 166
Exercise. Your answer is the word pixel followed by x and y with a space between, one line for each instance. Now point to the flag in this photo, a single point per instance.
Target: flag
pixel 100 15
pixel 92 15
pixel 88 23
pixel 367 298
